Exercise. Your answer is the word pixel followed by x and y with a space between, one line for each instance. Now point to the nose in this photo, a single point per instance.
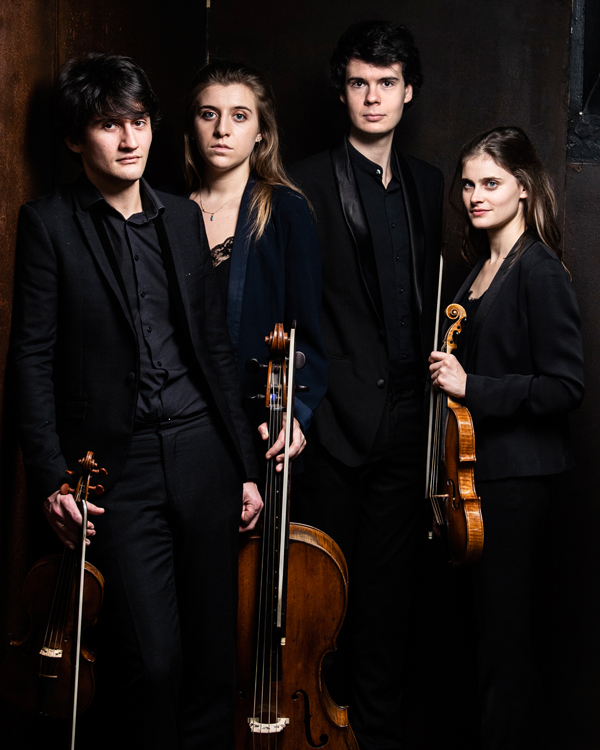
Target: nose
pixel 476 196
pixel 221 130
pixel 129 140
pixel 371 94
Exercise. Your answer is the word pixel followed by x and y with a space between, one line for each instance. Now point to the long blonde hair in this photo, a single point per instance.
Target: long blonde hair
pixel 265 160
pixel 511 148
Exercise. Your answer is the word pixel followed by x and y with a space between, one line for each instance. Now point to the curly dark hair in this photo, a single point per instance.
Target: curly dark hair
pixel 381 43
pixel 100 85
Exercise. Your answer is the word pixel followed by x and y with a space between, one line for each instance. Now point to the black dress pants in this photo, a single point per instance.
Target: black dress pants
pixel 167 547
pixel 503 585
pixel 372 511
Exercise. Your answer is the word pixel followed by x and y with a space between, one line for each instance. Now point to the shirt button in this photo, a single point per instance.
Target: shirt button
pixel 397 257
pixel 404 356
pixel 393 226
pixel 380 383
pixel 143 294
pixel 149 329
pixel 378 171
pixel 403 324
pixel 136 257
pixel 402 291
pixel 159 364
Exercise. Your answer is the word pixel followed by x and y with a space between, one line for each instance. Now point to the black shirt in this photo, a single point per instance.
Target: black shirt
pixel 386 216
pixel 170 382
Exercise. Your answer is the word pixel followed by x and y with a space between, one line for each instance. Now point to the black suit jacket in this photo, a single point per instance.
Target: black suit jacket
pixel 74 346
pixel 524 364
pixel 352 321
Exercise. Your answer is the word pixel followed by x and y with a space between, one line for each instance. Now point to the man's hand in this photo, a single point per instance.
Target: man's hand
pixel 296 447
pixel 64 517
pixel 252 505
pixel 447 374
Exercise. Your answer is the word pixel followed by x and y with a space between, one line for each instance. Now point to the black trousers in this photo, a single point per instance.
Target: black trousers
pixel 373 512
pixel 167 547
pixel 503 583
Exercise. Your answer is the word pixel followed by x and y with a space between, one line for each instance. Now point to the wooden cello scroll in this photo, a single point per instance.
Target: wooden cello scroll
pixel 292 600
pixel 62 595
pixel 450 471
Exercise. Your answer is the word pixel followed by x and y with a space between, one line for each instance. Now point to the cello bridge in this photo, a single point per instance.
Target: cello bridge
pixel 259 727
pixel 51 653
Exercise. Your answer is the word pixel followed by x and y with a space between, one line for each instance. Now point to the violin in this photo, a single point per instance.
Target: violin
pixel 50 671
pixel 293 584
pixel 450 465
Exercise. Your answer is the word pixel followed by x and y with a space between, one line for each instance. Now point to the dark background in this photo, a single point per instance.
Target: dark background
pixel 485 64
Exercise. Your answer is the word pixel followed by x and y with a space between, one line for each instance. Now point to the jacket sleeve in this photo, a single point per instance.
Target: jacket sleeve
pixel 556 353
pixel 303 303
pixel 33 339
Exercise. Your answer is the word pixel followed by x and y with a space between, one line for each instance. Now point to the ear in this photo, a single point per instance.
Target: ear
pixel 524 194
pixel 408 93
pixel 343 98
pixel 75 146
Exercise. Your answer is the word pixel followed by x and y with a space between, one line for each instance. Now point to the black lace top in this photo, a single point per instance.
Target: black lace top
pixel 221 259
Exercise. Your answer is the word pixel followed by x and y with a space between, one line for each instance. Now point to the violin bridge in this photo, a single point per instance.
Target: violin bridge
pixel 51 653
pixel 258 727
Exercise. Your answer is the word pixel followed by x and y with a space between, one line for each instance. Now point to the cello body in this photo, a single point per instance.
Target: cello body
pixel 316 605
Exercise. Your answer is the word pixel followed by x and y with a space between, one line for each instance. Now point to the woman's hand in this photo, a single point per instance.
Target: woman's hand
pixel 296 448
pixel 252 505
pixel 447 374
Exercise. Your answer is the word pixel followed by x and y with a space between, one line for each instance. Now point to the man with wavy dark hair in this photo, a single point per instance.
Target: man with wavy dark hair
pixel 120 347
pixel 378 217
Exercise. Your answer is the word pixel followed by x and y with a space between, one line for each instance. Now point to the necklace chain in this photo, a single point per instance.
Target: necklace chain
pixel 212 213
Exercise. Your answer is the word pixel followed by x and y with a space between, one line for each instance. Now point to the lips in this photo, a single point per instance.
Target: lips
pixel 479 211
pixel 373 117
pixel 221 147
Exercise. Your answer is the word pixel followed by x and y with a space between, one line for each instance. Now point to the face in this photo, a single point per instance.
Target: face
pixel 114 151
pixel 492 196
pixel 226 126
pixel 375 97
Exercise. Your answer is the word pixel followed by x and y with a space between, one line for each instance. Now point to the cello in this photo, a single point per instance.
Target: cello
pixel 450 484
pixel 50 671
pixel 292 601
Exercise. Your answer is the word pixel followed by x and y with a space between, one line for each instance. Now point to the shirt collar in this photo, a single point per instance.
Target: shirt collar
pixel 361 161
pixel 89 195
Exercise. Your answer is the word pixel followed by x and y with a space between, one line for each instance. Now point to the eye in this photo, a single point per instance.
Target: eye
pixel 208 115
pixel 139 123
pixel 239 117
pixel 387 84
pixel 357 84
pixel 109 125
pixel 468 185
pixel 492 184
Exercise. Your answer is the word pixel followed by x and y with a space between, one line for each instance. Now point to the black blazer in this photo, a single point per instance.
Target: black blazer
pixel 352 322
pixel 74 346
pixel 277 279
pixel 524 364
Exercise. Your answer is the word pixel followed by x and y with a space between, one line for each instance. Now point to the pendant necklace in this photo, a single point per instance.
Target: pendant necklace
pixel 212 213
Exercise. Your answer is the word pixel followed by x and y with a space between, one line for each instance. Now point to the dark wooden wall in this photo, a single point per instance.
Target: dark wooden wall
pixel 485 64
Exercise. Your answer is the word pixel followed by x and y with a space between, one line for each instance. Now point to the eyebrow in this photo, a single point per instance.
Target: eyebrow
pixel 379 80
pixel 235 106
pixel 483 179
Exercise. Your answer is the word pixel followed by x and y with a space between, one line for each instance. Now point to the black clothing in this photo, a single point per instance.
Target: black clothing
pixel 386 215
pixel 363 478
pixel 352 320
pixel 524 365
pixel 74 345
pixel 173 494
pixel 170 385
pixel 221 258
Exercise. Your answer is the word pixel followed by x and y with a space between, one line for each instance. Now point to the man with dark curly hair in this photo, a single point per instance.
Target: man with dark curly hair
pixel 378 217
pixel 120 347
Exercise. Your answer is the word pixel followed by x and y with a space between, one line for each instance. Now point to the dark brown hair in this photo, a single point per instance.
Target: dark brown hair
pixel 511 149
pixel 265 160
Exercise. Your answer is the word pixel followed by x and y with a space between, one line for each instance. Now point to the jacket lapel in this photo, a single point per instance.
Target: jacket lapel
pixel 356 220
pixel 416 230
pixel 239 263
pixel 103 259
